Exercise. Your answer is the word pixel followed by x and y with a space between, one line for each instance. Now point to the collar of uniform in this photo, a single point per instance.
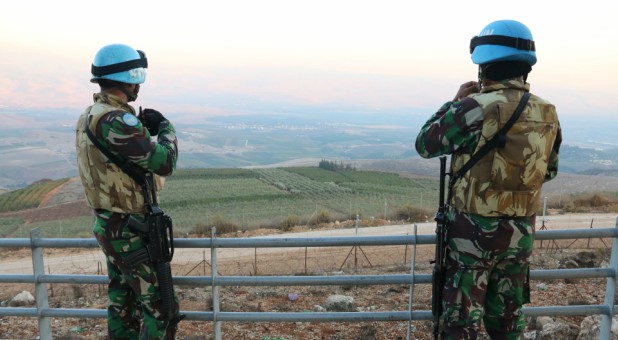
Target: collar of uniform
pixel 506 84
pixel 110 99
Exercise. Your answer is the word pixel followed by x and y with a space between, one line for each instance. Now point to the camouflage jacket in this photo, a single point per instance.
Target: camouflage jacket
pixel 116 127
pixel 507 181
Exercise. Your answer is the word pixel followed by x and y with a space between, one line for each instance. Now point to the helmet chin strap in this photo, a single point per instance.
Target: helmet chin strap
pixel 480 76
pixel 131 96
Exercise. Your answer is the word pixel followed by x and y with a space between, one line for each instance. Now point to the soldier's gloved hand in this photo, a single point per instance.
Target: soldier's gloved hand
pixel 151 119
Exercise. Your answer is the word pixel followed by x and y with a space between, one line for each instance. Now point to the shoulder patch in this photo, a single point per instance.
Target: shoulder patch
pixel 130 119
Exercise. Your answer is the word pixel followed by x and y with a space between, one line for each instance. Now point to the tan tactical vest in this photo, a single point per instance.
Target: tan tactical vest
pixel 105 184
pixel 507 181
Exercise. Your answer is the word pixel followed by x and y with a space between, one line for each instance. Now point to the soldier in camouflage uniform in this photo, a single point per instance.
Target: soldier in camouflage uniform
pixel 492 209
pixel 134 310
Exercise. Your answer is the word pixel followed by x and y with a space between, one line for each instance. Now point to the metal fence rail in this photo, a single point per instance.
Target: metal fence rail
pixel 44 313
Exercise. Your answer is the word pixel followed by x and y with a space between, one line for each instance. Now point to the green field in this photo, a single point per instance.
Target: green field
pixel 242 199
pixel 28 197
pixel 267 197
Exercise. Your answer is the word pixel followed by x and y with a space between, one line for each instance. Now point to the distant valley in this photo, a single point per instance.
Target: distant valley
pixel 37 145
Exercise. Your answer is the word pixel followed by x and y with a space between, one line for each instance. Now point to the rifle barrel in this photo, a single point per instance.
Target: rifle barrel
pixel 440 260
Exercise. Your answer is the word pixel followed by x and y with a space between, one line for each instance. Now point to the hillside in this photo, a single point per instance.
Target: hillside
pixel 240 199
pixel 262 197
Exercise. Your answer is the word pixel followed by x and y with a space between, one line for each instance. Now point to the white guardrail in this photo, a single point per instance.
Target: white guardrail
pixel 44 313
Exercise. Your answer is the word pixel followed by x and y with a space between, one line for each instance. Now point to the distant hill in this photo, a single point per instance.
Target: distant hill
pixel 600 172
pixel 38 145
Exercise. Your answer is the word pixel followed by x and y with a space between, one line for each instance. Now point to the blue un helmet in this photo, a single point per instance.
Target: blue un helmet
pixel 119 63
pixel 503 40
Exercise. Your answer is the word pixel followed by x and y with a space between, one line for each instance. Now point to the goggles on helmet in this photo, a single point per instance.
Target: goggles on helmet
pixel 100 71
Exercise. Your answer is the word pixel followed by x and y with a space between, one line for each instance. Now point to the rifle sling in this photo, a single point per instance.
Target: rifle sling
pixel 124 165
pixel 498 140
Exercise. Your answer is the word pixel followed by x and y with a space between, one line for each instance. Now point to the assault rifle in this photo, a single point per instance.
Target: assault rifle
pixel 439 267
pixel 158 234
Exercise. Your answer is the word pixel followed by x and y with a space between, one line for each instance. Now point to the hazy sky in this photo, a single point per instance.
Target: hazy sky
pixel 227 56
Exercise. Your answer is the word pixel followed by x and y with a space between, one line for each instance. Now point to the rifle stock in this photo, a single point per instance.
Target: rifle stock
pixel 439 267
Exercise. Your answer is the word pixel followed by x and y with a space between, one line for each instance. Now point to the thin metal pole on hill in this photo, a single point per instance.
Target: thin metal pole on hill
pixel 588 245
pixel 543 227
pixel 543 220
pixel 355 248
pixel 202 263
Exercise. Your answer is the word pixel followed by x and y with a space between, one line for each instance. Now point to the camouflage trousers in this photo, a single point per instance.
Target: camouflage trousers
pixel 487 275
pixel 134 310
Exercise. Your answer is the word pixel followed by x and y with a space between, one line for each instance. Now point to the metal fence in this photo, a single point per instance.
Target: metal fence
pixel 44 313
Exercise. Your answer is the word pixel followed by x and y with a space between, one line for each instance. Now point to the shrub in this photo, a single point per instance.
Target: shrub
pixel 200 228
pixel 598 200
pixel 323 216
pixel 412 213
pixel 586 202
pixel 290 222
pixel 223 227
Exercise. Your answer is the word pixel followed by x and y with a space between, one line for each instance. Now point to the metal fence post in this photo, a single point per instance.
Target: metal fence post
pixel 40 289
pixel 412 264
pixel 215 287
pixel 610 291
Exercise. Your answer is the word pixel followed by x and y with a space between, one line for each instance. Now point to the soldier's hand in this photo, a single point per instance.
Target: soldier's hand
pixel 466 89
pixel 151 119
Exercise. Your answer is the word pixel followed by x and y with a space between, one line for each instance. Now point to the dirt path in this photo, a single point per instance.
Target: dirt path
pixel 89 261
pixel 50 195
